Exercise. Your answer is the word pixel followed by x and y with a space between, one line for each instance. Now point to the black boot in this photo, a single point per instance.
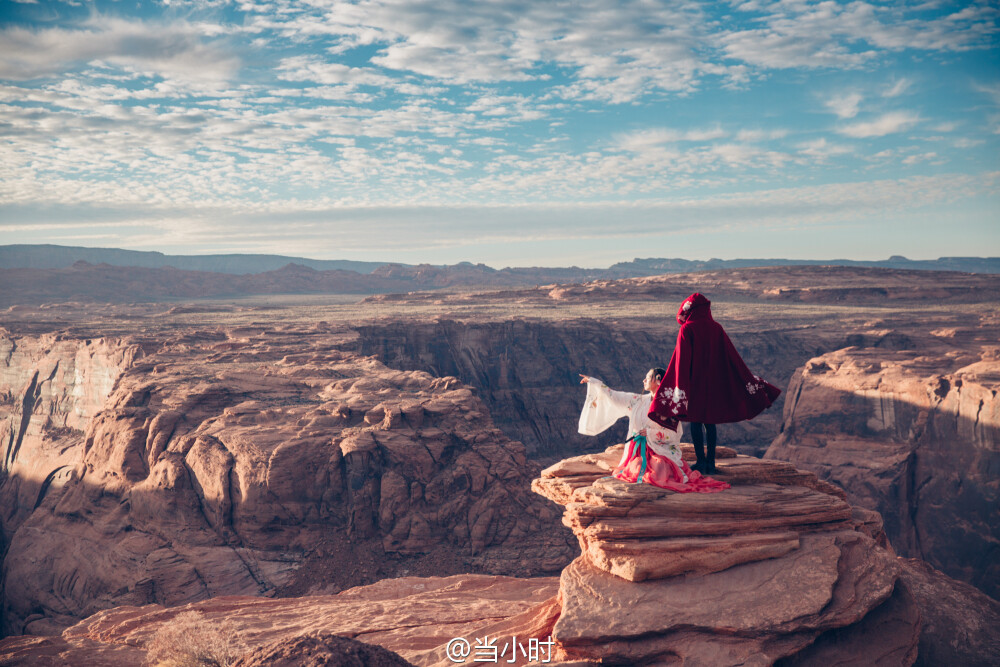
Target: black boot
pixel 710 468
pixel 697 438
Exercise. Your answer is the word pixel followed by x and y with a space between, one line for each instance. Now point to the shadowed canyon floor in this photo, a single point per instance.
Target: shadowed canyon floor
pixel 292 446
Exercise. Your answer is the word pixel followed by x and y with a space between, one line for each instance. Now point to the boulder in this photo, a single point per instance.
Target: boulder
pixel 777 568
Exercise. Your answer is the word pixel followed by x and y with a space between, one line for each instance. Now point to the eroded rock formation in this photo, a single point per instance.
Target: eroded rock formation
pixel 772 565
pixel 413 616
pixel 830 594
pixel 914 435
pixel 274 459
pixel 243 461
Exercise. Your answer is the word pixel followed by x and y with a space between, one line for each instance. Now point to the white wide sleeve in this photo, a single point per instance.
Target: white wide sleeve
pixel 603 407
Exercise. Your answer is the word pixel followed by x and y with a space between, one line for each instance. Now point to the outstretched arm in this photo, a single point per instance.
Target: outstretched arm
pixel 603 406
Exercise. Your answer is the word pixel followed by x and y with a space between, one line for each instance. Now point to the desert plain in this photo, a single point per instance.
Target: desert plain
pixel 323 474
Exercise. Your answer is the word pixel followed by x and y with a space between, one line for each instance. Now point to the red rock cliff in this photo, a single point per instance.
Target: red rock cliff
pixel 913 435
pixel 247 462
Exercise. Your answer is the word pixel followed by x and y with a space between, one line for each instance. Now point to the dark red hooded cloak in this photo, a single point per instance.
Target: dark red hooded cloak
pixel 707 380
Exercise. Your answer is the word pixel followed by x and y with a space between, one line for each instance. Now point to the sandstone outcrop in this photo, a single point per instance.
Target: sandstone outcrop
pixel 413 616
pixel 914 435
pixel 249 448
pixel 834 597
pixel 960 624
pixel 790 284
pixel 762 572
pixel 245 461
pixel 50 389
pixel 320 650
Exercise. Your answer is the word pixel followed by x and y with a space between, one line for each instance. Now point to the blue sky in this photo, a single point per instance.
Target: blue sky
pixel 510 132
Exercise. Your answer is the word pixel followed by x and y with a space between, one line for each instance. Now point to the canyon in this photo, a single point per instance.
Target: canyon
pixel 159 457
pixel 251 462
pixel 779 569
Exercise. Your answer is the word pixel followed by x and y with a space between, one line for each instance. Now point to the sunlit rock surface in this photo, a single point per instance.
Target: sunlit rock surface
pixel 414 617
pixel 252 462
pixel 243 406
pixel 767 567
pixel 829 595
pixel 913 435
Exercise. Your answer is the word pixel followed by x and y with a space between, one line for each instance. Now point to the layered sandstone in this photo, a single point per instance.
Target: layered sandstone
pixel 831 596
pixel 758 573
pixel 412 616
pixel 638 532
pixel 915 435
pixel 234 408
pixel 252 462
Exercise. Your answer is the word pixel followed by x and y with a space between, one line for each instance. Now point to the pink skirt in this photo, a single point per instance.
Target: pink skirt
pixel 664 473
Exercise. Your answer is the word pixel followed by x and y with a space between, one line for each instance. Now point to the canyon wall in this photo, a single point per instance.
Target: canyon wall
pixel 908 431
pixel 50 389
pixel 245 461
pixel 527 372
pixel 778 569
pixel 914 435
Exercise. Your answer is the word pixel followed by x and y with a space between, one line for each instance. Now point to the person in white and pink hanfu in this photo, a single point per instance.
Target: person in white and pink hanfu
pixel 652 452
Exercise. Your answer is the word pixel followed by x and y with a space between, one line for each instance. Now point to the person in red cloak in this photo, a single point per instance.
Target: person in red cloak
pixel 707 382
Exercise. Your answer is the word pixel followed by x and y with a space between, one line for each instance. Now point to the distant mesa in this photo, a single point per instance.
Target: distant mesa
pixel 25 256
pixel 45 256
pixel 964 264
pixel 39 274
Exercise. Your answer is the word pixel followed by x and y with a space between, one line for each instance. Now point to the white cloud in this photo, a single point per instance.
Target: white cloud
pixel 616 52
pixel 897 88
pixel 180 51
pixel 967 143
pixel 889 123
pixel 779 51
pixel 761 135
pixel 845 106
pixel 328 227
pixel 315 69
pixel 821 149
pixel 992 90
pixel 828 34
pixel 921 157
pixel 514 107
pixel 329 107
pixel 642 140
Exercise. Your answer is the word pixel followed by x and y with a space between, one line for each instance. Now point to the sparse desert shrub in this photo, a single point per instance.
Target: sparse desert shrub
pixel 191 640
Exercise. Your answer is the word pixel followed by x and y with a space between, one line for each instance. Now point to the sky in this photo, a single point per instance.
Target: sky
pixel 508 132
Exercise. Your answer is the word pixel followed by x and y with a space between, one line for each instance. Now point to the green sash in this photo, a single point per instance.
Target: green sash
pixel 641 441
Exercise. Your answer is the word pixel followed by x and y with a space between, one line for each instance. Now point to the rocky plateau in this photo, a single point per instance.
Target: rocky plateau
pixel 220 455
pixel 779 569
pixel 251 462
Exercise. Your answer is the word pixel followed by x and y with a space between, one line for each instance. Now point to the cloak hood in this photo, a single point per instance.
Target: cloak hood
pixel 695 307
